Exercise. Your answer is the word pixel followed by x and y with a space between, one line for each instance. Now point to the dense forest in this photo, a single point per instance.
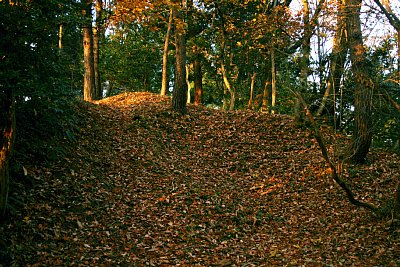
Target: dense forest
pixel 206 111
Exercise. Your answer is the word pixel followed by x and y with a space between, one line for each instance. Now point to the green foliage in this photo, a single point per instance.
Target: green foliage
pixel 132 59
pixel 44 77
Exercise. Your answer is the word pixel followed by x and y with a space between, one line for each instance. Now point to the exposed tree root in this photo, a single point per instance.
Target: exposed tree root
pixel 336 177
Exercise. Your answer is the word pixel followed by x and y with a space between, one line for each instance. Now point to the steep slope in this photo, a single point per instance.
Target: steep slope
pixel 143 185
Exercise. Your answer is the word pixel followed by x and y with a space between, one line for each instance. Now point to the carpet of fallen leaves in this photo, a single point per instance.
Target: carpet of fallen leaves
pixel 145 186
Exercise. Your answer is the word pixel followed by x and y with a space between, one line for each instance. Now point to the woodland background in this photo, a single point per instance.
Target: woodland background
pixel 329 68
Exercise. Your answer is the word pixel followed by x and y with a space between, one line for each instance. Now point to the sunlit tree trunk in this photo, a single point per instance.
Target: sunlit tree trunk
pixel 252 82
pixel 164 80
pixel 198 81
pixel 7 133
pixel 180 87
pixel 266 97
pixel 60 36
pixel 228 86
pixel 273 81
pixel 89 93
pixel 362 134
pixel 188 84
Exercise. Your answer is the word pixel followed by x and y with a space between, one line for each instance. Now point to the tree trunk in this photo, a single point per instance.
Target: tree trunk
pixel 89 93
pixel 188 84
pixel 180 90
pixel 97 32
pixel 362 135
pixel 164 80
pixel 7 129
pixel 338 59
pixel 273 81
pixel 228 86
pixel 253 80
pixel 335 175
pixel 265 98
pixel 304 62
pixel 60 35
pixel 198 81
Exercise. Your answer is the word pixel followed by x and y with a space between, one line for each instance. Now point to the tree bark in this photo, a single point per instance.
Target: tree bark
pixel 265 97
pixel 97 33
pixel 198 81
pixel 273 81
pixel 304 62
pixel 164 80
pixel 60 35
pixel 188 84
pixel 7 130
pixel 180 86
pixel 363 92
pixel 89 93
pixel 253 80
pixel 228 86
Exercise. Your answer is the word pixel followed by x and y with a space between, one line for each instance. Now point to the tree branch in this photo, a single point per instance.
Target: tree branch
pixel 393 19
pixel 309 29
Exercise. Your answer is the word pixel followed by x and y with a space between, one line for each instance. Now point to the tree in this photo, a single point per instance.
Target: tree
pixel 180 87
pixel 97 35
pixel 198 81
pixel 338 59
pixel 363 92
pixel 38 59
pixel 89 90
pixel 7 131
pixel 164 80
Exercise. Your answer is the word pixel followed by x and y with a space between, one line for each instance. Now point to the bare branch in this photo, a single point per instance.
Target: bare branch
pixel 393 19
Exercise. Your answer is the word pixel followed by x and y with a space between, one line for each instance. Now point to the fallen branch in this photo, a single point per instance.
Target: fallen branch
pixel 318 136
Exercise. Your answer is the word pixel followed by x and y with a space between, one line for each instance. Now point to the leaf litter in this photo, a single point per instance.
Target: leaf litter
pixel 145 186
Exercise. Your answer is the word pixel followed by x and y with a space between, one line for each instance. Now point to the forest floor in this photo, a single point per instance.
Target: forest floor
pixel 144 186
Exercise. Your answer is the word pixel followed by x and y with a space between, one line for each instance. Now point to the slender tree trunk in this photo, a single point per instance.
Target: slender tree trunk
pixel 398 57
pixel 180 87
pixel 7 130
pixel 60 35
pixel 265 97
pixel 89 93
pixel 273 81
pixel 228 86
pixel 164 80
pixel 253 80
pixel 97 32
pixel 362 135
pixel 304 63
pixel 198 81
pixel 188 83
